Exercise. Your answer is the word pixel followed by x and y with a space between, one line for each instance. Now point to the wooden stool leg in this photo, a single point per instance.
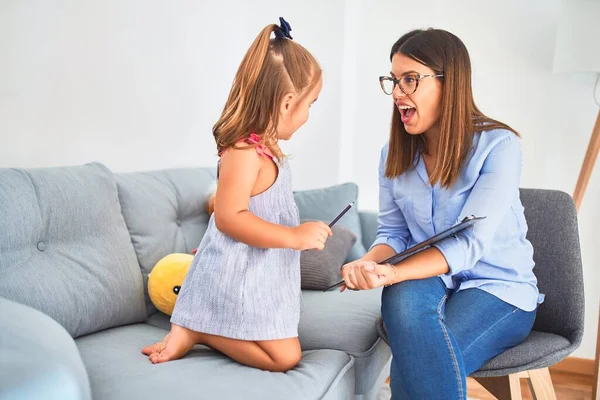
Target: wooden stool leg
pixel 541 382
pixel 503 387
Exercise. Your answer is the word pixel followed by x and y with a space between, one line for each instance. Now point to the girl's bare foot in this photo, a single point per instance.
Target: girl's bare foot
pixel 156 347
pixel 174 346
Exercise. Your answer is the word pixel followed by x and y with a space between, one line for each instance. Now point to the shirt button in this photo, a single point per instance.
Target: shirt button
pixel 41 246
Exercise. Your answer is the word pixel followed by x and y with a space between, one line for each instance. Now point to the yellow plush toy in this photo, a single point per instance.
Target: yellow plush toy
pixel 165 280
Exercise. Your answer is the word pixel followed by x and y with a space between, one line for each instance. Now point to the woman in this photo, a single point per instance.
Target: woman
pixel 451 308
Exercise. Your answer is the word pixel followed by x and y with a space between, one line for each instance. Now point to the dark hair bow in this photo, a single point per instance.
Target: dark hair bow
pixel 283 32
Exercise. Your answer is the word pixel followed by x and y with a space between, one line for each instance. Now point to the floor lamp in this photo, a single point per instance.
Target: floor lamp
pixel 578 51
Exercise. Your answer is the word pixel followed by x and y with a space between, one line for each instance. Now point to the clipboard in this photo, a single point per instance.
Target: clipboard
pixel 395 259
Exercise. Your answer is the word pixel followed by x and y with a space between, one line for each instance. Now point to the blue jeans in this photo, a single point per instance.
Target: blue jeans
pixel 439 337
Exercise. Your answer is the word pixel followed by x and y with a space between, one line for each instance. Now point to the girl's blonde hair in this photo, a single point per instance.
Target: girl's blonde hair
pixel 270 69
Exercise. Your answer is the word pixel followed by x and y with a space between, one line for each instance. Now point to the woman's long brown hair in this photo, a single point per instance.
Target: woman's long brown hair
pixel 460 118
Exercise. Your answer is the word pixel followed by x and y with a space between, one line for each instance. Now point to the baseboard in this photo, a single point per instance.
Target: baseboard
pixel 574 365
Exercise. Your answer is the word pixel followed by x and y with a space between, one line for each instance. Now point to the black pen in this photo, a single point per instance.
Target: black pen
pixel 340 215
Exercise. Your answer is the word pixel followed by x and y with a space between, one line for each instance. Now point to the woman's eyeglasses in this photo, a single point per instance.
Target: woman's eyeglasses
pixel 408 83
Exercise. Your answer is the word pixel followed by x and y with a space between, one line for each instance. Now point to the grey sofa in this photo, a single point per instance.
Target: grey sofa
pixel 76 246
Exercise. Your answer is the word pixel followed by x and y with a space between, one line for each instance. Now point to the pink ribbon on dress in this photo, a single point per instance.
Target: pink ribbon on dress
pixel 260 148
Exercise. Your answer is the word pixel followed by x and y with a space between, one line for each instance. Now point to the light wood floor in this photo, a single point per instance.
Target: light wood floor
pixel 568 386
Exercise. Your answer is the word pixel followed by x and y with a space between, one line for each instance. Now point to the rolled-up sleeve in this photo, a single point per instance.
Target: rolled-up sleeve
pixel 392 228
pixel 491 197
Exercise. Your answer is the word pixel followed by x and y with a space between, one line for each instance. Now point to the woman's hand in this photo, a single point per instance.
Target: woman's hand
pixel 363 275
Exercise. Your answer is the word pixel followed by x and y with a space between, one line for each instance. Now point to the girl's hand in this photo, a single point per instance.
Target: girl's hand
pixel 363 275
pixel 311 235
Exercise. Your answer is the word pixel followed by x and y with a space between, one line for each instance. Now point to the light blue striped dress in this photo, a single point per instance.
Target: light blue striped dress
pixel 243 292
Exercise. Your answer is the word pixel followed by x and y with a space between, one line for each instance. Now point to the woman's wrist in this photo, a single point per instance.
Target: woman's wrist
pixel 394 275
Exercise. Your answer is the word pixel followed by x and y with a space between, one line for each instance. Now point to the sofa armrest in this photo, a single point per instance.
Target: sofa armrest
pixel 368 223
pixel 38 358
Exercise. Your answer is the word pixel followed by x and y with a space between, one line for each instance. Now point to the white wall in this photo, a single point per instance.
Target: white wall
pixel 138 85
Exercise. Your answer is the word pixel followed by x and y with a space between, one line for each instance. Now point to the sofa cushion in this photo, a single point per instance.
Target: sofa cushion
pixel 164 212
pixel 118 370
pixel 38 357
pixel 329 317
pixel 346 322
pixel 338 321
pixel 369 225
pixel 325 204
pixel 321 269
pixel 329 320
pixel 65 249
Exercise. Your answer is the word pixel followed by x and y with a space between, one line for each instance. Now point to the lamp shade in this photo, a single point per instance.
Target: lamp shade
pixel 578 37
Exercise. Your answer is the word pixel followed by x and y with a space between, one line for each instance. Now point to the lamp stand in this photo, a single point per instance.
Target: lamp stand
pixel 582 182
pixel 596 383
pixel 588 164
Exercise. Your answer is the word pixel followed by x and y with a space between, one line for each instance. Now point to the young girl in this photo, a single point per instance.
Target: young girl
pixel 242 293
pixel 451 308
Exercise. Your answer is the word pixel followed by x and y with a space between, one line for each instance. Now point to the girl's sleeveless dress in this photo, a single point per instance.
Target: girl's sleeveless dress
pixel 243 292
